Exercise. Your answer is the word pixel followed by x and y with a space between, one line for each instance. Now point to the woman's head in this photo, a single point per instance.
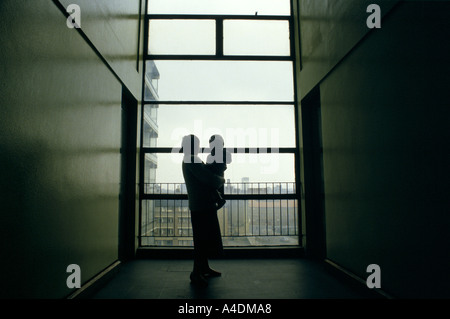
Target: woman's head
pixel 190 145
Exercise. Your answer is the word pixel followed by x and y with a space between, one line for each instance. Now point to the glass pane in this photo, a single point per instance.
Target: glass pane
pixel 225 80
pixel 242 223
pixel 182 37
pixel 245 7
pixel 244 168
pixel 256 37
pixel 240 125
pixel 249 168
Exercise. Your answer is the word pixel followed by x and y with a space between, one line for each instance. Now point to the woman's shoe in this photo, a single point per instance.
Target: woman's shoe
pixel 198 280
pixel 212 273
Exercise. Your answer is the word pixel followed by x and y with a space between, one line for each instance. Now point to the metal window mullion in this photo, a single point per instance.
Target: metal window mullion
pixel 149 17
pixel 219 102
pixel 294 30
pixel 219 38
pixel 219 56
pixel 235 150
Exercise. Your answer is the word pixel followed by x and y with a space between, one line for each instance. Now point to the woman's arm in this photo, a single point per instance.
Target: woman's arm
pixel 205 176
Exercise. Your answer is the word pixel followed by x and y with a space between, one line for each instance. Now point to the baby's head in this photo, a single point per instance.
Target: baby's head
pixel 216 144
pixel 216 141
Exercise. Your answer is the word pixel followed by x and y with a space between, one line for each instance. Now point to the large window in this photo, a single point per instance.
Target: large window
pixel 221 67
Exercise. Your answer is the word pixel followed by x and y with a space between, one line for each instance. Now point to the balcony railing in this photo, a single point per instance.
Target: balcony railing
pixel 256 214
pixel 257 188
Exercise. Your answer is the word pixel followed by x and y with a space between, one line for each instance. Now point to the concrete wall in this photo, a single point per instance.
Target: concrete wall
pixel 328 31
pixel 113 27
pixel 60 139
pixel 385 113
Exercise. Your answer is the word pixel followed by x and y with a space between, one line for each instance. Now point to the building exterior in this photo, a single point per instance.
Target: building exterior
pixel 150 139
pixel 150 120
pixel 268 222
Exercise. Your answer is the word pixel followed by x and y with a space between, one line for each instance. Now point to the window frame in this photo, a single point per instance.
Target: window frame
pixel 219 56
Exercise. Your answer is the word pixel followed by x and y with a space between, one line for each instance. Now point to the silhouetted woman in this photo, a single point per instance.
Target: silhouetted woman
pixel 200 184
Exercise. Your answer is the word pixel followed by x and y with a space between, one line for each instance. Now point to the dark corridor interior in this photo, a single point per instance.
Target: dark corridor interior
pixel 262 278
pixel 369 153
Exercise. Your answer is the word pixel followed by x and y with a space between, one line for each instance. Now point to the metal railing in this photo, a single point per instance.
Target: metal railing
pixel 255 218
pixel 250 188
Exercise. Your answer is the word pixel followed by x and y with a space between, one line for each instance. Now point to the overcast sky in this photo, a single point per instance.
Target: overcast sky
pixel 249 7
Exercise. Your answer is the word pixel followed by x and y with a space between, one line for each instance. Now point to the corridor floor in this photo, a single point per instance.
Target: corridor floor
pixel 294 278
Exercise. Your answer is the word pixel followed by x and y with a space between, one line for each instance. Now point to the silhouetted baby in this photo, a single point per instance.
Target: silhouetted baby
pixel 217 162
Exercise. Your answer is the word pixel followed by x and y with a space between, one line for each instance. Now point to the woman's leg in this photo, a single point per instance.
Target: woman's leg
pixel 200 259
